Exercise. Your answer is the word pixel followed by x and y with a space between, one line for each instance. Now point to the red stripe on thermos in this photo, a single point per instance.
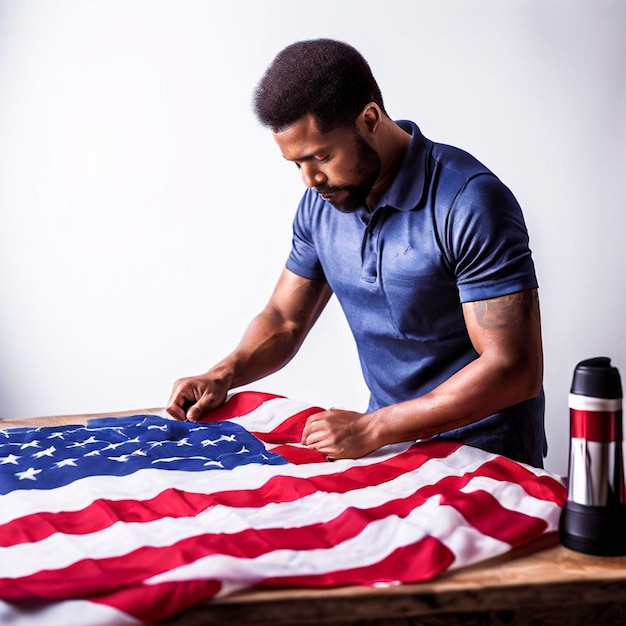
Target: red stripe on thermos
pixel 600 426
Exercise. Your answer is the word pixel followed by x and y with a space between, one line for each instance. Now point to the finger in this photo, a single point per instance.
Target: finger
pixel 176 407
pixel 176 412
pixel 196 411
pixel 199 409
pixel 331 452
pixel 312 425
pixel 321 442
pixel 315 435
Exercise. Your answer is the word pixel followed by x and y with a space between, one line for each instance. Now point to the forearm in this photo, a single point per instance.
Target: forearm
pixel 267 345
pixel 476 391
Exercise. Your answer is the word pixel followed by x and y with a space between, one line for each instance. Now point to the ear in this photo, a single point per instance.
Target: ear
pixel 369 120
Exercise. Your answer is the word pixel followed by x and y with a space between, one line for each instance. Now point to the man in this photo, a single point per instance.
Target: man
pixel 427 253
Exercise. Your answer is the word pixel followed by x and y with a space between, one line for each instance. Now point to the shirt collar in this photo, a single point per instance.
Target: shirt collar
pixel 407 189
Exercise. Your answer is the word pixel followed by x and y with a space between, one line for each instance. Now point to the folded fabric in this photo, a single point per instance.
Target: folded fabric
pixel 132 520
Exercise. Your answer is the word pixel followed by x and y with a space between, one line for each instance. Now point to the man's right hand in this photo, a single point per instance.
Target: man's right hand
pixel 194 396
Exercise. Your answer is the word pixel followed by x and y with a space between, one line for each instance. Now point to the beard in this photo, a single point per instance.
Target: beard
pixel 351 198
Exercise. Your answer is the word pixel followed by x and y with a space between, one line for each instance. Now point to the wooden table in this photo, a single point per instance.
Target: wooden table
pixel 544 584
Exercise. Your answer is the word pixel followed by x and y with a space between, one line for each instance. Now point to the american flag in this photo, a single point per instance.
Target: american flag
pixel 132 520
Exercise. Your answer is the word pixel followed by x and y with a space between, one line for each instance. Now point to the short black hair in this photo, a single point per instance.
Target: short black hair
pixel 327 78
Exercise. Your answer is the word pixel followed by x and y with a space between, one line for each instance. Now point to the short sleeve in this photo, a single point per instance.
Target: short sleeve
pixel 488 241
pixel 303 259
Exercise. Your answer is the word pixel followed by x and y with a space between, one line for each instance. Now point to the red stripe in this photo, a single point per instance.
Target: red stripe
pixel 299 455
pixel 151 603
pixel 601 426
pixel 154 603
pixel 505 470
pixel 290 430
pixel 416 562
pixel 490 518
pixel 240 404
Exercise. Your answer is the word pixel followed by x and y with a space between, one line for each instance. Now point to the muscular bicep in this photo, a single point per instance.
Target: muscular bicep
pixel 507 331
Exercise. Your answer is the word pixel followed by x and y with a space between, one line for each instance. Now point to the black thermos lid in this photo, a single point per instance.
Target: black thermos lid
pixel 597 378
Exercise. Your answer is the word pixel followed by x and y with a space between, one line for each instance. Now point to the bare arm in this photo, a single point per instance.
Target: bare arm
pixel 270 341
pixel 506 334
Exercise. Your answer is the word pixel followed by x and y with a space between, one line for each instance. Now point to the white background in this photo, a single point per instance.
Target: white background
pixel 144 215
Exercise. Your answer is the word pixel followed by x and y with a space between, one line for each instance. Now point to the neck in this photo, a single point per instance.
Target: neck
pixel 392 146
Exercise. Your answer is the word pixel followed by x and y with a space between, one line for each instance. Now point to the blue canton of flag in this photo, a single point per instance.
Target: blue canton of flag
pixel 53 456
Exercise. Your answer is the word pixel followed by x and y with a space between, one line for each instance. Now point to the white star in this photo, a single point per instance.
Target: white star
pixel 65 462
pixel 10 459
pixel 243 450
pixel 123 458
pixel 93 453
pixel 209 442
pixel 138 452
pixel 228 438
pixel 80 444
pixel 154 426
pixel 29 474
pixel 180 458
pixel 114 446
pixel 216 463
pixel 30 444
pixel 47 452
pixel 183 442
pixel 56 435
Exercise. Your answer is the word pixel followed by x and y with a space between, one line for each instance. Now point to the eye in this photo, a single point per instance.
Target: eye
pixel 322 158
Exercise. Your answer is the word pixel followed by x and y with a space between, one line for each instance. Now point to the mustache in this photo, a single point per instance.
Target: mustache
pixel 327 190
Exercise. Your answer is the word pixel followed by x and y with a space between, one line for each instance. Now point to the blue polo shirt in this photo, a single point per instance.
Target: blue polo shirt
pixel 447 231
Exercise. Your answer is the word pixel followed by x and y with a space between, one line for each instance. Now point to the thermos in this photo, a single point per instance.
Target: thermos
pixel 593 520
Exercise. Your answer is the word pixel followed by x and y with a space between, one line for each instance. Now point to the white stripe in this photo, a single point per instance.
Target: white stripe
pixel 270 415
pixel 144 483
pixel 586 403
pixel 514 498
pixel 379 539
pixel 68 613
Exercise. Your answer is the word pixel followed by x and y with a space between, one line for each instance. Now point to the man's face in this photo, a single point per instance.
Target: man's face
pixel 340 165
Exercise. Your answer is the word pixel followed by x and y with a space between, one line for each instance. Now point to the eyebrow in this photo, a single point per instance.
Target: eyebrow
pixel 306 157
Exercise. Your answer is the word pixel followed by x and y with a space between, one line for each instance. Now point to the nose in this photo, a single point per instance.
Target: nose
pixel 312 176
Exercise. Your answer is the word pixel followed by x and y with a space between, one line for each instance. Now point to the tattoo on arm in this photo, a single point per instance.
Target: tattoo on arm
pixel 507 311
